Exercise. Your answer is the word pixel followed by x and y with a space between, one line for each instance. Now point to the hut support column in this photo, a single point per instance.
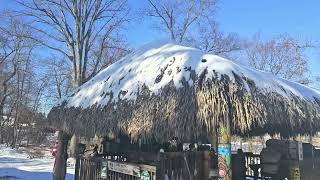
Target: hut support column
pixel 224 152
pixel 312 151
pixel 61 159
pixel 73 146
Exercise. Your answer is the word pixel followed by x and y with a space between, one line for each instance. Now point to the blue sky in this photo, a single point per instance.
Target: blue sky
pixel 298 18
pixel 246 17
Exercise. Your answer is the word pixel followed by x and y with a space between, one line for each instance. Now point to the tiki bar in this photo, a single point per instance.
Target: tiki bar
pixel 166 111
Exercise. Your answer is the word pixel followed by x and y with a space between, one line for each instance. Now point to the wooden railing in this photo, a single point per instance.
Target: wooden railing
pixel 252 160
pixel 181 165
pixel 171 165
pixel 90 168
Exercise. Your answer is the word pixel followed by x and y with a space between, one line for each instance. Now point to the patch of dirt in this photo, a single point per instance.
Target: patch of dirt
pixel 37 152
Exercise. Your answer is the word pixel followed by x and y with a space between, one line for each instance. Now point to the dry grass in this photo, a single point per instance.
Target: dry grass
pixel 191 113
pixel 36 152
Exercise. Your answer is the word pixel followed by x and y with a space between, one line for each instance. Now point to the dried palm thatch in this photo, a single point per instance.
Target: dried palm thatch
pixel 193 110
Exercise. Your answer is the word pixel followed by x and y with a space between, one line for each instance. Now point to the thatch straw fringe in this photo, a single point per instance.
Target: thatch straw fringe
pixel 189 113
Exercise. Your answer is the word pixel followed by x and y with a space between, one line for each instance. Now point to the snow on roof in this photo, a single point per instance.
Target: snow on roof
pixel 157 64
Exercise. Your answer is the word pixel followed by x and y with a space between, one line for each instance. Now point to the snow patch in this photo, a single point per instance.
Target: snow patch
pixel 15 164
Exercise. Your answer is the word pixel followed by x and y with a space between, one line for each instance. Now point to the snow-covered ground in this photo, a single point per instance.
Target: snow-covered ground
pixel 17 164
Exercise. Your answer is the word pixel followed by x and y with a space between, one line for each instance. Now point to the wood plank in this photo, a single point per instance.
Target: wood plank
pixel 148 167
pixel 125 168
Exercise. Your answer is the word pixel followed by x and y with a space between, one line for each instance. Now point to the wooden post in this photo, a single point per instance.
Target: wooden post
pixel 73 146
pixel 77 168
pixel 160 167
pixel 312 151
pixel 61 159
pixel 224 151
pixel 250 145
pixel 206 165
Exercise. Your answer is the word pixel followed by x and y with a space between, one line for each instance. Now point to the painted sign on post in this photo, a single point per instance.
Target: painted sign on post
pixel 295 171
pixel 224 153
pixel 224 160
pixel 104 170
pixel 145 175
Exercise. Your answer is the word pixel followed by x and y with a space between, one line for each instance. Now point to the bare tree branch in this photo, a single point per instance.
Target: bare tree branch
pixel 177 17
pixel 74 26
pixel 282 56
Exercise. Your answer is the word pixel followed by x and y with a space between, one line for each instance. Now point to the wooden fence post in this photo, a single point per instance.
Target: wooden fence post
pixel 77 166
pixel 206 164
pixel 160 167
pixel 199 165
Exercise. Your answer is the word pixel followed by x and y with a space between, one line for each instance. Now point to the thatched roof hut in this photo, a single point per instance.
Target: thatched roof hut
pixel 165 90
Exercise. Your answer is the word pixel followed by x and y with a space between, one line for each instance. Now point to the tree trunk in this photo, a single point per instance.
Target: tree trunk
pixel 1 134
pixel 73 146
pixel 62 156
pixel 15 136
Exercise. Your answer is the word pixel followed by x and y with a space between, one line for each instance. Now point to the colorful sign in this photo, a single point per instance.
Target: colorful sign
pixel 145 175
pixel 224 153
pixel 224 161
pixel 104 170
pixel 295 172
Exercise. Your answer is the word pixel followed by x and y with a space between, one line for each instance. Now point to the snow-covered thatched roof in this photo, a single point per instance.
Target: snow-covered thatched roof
pixel 164 90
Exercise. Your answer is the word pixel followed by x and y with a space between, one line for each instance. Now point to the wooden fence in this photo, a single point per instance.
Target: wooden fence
pixel 173 165
pixel 93 168
pixel 182 165
pixel 89 168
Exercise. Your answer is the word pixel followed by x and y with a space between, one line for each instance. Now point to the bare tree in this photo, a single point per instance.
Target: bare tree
pixel 21 87
pixel 283 56
pixel 76 29
pixel 211 39
pixel 13 48
pixel 59 77
pixel 72 28
pixel 192 22
pixel 20 95
pixel 107 52
pixel 178 17
pixel 6 77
